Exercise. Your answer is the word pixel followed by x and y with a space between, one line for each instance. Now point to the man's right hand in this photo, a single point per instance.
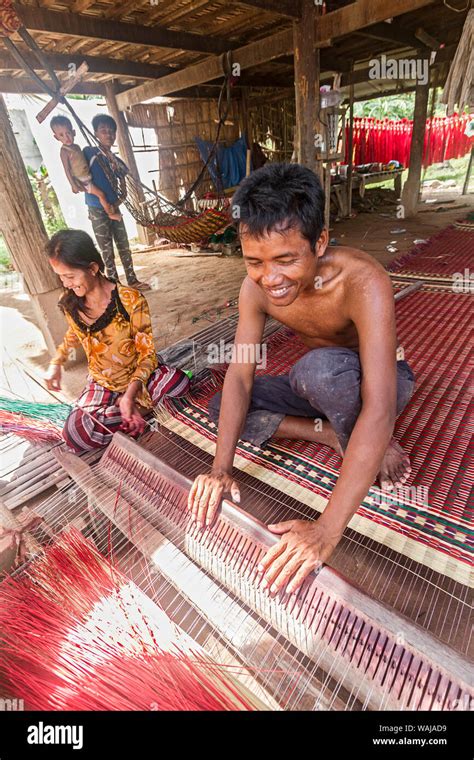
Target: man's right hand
pixel 206 495
pixel 53 379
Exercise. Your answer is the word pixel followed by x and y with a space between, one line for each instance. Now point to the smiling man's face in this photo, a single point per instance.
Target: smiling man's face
pixel 282 263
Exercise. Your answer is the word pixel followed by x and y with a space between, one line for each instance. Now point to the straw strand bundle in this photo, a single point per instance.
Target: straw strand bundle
pixel 75 634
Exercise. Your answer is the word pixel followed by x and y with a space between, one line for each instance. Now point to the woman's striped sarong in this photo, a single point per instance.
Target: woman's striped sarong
pixel 97 415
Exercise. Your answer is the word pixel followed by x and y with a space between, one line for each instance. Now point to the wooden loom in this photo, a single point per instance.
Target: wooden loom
pixel 400 643
pixel 330 647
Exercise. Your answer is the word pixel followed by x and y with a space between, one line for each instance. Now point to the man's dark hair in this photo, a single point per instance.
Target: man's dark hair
pixel 60 121
pixel 280 196
pixel 103 118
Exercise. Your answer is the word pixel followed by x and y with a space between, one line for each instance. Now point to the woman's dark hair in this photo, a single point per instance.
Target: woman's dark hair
pixel 280 196
pixel 103 118
pixel 76 249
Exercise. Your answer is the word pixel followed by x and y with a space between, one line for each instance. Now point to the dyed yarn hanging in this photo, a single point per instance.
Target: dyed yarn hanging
pixel 381 141
pixel 36 431
pixel 34 421
pixel 51 412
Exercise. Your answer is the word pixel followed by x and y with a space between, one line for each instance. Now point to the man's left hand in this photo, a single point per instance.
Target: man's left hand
pixel 303 547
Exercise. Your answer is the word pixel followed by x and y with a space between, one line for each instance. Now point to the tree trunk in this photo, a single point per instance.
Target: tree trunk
pixel 24 233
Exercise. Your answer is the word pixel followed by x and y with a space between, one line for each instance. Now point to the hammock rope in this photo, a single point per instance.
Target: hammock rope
pixel 172 220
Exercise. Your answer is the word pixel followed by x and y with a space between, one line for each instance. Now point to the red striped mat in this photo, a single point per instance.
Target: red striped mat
pixel 432 522
pixel 447 253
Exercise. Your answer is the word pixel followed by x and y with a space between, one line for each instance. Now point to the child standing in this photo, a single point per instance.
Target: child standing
pixel 76 166
pixel 106 229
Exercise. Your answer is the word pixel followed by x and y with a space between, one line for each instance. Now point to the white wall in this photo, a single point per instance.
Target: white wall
pixel 73 206
pixel 24 137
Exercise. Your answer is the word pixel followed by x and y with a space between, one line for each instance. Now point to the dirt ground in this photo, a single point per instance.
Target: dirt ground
pixel 185 286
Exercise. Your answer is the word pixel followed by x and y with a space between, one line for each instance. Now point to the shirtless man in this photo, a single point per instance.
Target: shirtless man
pixel 339 301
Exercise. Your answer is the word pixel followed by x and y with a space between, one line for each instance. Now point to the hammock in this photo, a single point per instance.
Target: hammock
pixel 178 222
pixel 173 221
pixel 166 218
pixel 186 229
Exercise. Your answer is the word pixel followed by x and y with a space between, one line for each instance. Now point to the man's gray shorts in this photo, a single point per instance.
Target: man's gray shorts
pixel 323 384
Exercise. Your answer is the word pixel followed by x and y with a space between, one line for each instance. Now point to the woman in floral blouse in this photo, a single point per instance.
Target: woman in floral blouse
pixel 112 323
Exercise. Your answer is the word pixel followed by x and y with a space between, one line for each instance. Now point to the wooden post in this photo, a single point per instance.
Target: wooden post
pixel 126 149
pixel 468 174
pixel 411 188
pixel 431 117
pixel 327 193
pixel 248 160
pixel 350 145
pixel 24 233
pixel 244 118
pixel 307 70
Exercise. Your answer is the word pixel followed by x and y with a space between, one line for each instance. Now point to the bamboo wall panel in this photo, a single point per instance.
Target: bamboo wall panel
pixel 272 124
pixel 176 126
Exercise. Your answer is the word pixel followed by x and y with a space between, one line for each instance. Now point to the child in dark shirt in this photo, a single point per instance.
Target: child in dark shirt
pixel 107 230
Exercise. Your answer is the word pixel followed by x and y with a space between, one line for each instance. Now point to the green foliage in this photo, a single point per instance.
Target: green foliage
pixel 455 169
pixel 5 260
pixel 46 199
pixel 54 225
pixel 387 107
pixel 48 205
pixel 396 106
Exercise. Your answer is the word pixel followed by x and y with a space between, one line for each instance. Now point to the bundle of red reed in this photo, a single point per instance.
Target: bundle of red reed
pixel 75 634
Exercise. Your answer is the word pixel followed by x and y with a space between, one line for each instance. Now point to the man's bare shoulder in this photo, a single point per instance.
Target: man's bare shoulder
pixel 251 295
pixel 367 287
pixel 354 259
pixel 359 267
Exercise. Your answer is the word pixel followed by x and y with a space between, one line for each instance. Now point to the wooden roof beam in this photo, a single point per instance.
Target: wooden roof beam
pixel 330 61
pixel 390 33
pixel 288 8
pixel 96 64
pixel 120 9
pixel 176 15
pixel 358 76
pixel 9 84
pixel 344 21
pixel 79 6
pixel 209 69
pixel 41 20
pixel 24 86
